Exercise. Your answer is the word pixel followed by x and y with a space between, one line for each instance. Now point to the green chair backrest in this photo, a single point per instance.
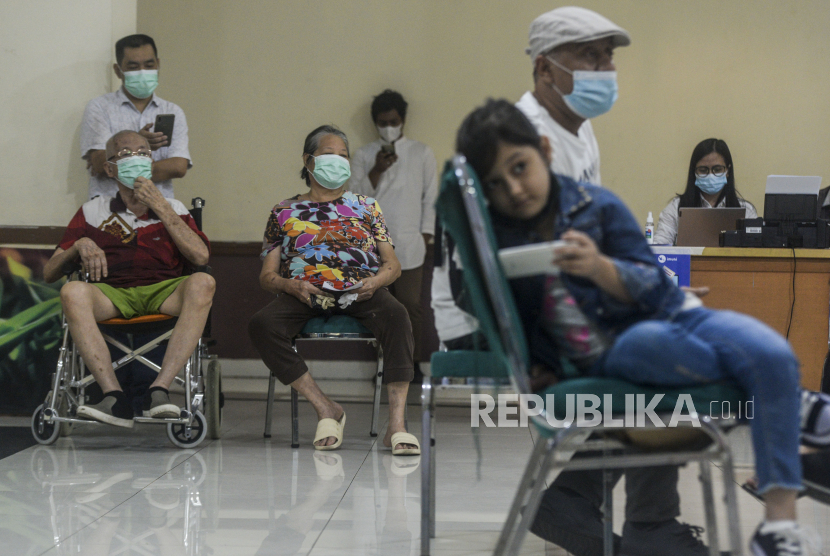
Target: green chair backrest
pixel 463 214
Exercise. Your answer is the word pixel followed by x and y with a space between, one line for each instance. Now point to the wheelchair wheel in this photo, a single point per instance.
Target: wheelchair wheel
pixel 214 399
pixel 198 431
pixel 44 432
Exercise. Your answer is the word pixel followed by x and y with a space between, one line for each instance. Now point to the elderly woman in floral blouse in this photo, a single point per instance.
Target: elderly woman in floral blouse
pixel 328 251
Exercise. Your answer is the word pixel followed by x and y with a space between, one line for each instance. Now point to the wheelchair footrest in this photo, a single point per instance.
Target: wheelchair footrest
pixel 176 421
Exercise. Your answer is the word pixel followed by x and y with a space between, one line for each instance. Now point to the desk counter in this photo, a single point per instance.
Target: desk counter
pixel 788 289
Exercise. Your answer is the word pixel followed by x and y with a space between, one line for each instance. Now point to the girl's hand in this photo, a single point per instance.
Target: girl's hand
pixel 580 257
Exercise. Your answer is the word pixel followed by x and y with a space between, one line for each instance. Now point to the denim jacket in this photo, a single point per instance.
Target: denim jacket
pixel 600 214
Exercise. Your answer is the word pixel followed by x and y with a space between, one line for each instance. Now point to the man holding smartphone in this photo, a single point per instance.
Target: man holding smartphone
pixel 401 174
pixel 135 107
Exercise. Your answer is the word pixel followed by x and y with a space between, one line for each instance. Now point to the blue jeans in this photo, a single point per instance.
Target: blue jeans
pixel 702 345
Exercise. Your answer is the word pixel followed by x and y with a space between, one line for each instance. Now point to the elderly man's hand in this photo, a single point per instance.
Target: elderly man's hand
pixel 368 289
pixel 156 139
pixel 148 194
pixel 303 291
pixel 93 259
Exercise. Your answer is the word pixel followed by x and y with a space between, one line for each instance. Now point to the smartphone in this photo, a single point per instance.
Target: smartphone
pixel 164 124
pixel 388 149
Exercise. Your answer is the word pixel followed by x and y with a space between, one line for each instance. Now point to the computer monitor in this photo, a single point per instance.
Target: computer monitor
pixel 791 198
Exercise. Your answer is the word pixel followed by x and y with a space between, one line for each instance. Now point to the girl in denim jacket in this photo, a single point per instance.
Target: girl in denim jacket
pixel 613 312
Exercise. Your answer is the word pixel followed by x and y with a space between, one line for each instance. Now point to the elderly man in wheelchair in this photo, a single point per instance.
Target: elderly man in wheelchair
pixel 134 248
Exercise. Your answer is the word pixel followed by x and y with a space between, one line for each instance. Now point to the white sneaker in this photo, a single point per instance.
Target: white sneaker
pixel 783 538
pixel 815 419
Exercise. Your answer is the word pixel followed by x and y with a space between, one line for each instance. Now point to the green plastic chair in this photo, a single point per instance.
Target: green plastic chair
pixel 338 328
pixel 463 214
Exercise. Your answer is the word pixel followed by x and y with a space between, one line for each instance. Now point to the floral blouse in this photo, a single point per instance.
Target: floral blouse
pixel 332 242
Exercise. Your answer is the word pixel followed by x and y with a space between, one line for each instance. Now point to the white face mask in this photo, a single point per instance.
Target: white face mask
pixel 391 134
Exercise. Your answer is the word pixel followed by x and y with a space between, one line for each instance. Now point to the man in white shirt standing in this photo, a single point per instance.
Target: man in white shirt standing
pixel 134 107
pixel 400 174
pixel 575 79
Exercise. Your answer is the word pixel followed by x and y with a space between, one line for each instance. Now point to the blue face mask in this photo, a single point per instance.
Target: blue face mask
pixel 594 92
pixel 331 170
pixel 711 184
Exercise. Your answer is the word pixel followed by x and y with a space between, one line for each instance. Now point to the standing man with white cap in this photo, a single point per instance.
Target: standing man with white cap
pixel 575 79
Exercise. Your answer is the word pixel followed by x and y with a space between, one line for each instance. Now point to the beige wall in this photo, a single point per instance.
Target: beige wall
pixel 255 76
pixel 54 57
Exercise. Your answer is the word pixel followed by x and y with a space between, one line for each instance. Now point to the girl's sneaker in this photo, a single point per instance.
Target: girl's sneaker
pixel 782 538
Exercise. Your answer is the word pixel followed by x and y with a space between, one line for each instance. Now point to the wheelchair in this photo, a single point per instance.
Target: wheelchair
pixel 202 412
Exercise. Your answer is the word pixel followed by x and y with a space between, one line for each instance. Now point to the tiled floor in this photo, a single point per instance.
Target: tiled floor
pixel 107 491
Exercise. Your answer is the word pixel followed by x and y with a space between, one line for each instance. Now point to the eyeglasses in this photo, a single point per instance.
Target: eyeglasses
pixel 703 171
pixel 123 153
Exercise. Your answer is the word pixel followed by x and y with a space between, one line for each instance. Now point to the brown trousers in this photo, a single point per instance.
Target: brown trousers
pixel 407 290
pixel 273 328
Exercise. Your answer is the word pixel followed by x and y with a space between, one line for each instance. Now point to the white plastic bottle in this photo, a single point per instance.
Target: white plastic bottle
pixel 650 229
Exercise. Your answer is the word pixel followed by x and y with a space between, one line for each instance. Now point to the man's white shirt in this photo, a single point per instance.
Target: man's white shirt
pixel 575 156
pixel 406 194
pixel 108 114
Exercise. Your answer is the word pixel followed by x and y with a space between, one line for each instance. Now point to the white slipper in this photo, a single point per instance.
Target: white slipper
pixel 330 427
pixel 405 438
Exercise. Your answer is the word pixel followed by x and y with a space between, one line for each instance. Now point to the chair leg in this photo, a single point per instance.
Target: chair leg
pixel 373 432
pixel 427 466
pixel 432 444
pixel 295 419
pixel 269 405
pixel 530 477
pixel 534 497
pixel 709 507
pixel 607 513
pixel 731 500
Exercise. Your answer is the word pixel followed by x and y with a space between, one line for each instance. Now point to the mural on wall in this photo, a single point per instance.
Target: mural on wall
pixel 30 329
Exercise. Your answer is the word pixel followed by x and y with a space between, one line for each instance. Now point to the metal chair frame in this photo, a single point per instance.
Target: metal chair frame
pixel 70 380
pixel 295 402
pixel 554 449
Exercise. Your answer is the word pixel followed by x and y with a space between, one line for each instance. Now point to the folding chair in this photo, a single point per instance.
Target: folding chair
pixel 462 211
pixel 335 328
pixel 58 413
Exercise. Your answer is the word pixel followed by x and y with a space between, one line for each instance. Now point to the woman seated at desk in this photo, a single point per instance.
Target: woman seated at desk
pixel 711 183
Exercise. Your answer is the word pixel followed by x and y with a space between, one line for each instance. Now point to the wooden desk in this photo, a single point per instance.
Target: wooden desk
pixel 759 282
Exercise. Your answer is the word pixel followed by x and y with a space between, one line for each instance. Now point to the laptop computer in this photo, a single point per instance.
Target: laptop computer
pixel 701 227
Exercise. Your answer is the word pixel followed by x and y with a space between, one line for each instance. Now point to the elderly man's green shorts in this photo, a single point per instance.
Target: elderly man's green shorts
pixel 141 300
